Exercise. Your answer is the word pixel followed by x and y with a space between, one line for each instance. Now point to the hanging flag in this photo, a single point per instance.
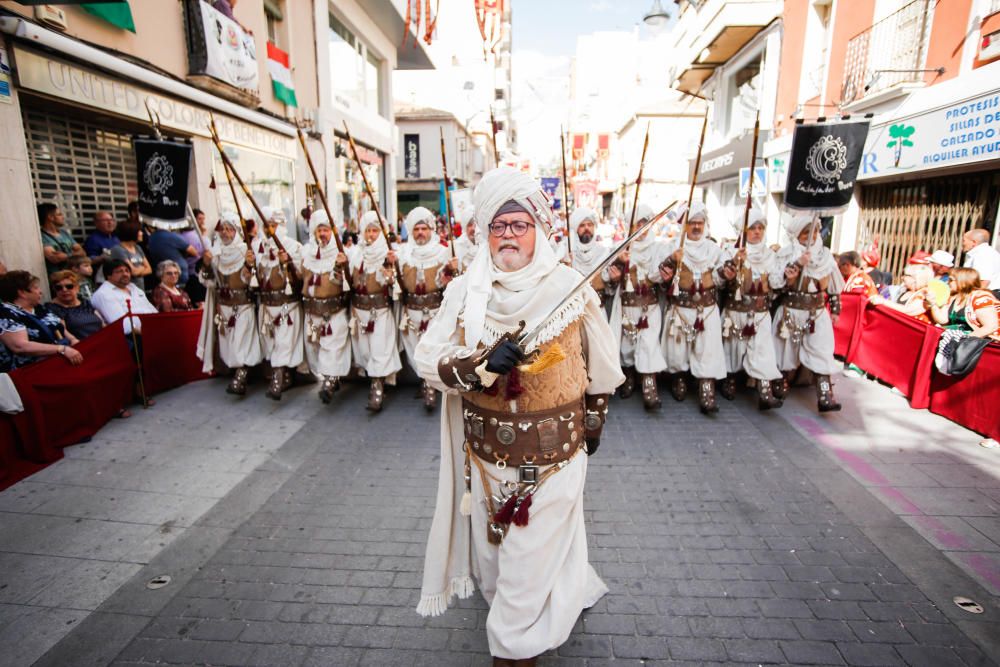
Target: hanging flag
pixel 281 75
pixel 824 165
pixel 603 146
pixel 579 146
pixel 116 13
pixel 163 167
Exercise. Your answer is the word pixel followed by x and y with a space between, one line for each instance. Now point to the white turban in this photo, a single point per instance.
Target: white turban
pixel 798 223
pixel 318 219
pixel 464 215
pixel 417 216
pixel 642 212
pixel 698 211
pixel 230 219
pixel 581 214
pixel 504 184
pixel 370 219
pixel 756 217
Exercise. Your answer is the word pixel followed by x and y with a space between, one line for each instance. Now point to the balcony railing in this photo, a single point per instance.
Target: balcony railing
pixel 888 53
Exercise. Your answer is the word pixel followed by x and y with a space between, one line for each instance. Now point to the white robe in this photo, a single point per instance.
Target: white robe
pixel 329 353
pixel 281 326
pixel 756 354
pixel 645 353
pixel 376 353
pixel 413 317
pixel 539 579
pixel 238 345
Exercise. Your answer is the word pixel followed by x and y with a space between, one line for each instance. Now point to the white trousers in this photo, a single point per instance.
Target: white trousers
pixel 240 344
pixel 756 354
pixel 704 355
pixel 330 354
pixel 411 333
pixel 376 353
pixel 283 340
pixel 539 579
pixel 815 352
pixel 644 353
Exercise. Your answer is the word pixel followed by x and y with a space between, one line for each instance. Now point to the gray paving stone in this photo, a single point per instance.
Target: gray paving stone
pixel 869 655
pixel 753 651
pixel 810 653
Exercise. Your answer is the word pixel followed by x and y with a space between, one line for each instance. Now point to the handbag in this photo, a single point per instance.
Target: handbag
pixel 959 355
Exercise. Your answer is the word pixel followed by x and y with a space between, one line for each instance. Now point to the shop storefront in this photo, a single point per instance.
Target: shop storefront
pixel 719 177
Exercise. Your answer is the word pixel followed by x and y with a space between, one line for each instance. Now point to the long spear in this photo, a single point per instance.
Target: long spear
pixel 742 241
pixel 638 180
pixel 694 182
pixel 374 202
pixel 236 201
pixel 293 275
pixel 447 196
pixel 319 188
pixel 569 234
pixel 493 130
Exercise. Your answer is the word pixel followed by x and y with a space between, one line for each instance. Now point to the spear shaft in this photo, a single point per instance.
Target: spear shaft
pixel 319 188
pixel 638 181
pixel 742 241
pixel 447 196
pixel 565 180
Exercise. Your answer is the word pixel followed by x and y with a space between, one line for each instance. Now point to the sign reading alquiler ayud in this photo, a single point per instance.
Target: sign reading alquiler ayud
pixel 62 79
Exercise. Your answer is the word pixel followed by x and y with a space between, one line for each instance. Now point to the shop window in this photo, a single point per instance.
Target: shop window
pixel 269 178
pixel 744 91
pixel 275 22
pixel 355 71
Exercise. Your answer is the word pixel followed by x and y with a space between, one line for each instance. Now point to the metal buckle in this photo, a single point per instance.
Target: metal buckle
pixel 476 426
pixel 527 474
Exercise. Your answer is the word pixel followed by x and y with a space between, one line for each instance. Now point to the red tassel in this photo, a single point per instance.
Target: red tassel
pixel 506 513
pixel 218 227
pixel 272 255
pixel 329 330
pixel 277 321
pixel 493 389
pixel 812 326
pixel 420 289
pixel 370 327
pixel 423 326
pixel 749 330
pixel 288 320
pixel 211 183
pixel 521 515
pixel 513 388
pixel 643 323
pixel 232 321
pixel 317 252
pixel 699 324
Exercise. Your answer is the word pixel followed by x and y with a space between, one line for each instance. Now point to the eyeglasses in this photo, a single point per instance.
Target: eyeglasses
pixel 518 228
pixel 63 286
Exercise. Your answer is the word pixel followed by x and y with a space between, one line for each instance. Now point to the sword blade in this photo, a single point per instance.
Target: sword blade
pixel 524 340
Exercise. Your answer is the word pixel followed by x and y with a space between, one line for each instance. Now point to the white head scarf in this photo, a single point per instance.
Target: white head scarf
pixel 372 255
pixel 703 254
pixel 642 251
pixel 426 255
pixel 315 257
pixel 821 260
pixel 529 293
pixel 231 256
pixel 698 211
pixel 758 254
pixel 587 255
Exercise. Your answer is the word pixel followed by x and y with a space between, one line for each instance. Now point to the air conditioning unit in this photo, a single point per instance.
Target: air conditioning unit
pixel 51 16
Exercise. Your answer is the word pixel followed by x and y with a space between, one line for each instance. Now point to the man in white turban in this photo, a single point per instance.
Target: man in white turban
pixel 279 272
pixel 427 266
pixel 692 333
pixel 586 251
pixel 746 320
pixel 515 426
pixel 229 308
pixel 636 315
pixel 326 302
pixel 373 325
pixel 467 244
pixel 802 325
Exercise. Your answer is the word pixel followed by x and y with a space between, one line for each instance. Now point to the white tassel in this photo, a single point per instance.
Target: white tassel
pixel 404 321
pixel 253 280
pixel 465 508
pixel 288 288
pixel 432 605
pixel 628 283
pixel 727 327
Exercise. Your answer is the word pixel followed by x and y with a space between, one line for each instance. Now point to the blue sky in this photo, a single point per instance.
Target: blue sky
pixel 551 26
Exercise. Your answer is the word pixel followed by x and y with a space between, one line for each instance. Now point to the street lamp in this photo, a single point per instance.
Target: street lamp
pixel 656 16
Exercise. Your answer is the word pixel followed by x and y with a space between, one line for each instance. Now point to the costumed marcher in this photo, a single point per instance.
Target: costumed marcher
pixel 427 268
pixel 635 311
pixel 510 494
pixel 279 273
pixel 587 253
pixel 373 324
pixel 229 308
pixel 467 244
pixel 746 319
pixel 326 304
pixel 803 327
pixel 692 331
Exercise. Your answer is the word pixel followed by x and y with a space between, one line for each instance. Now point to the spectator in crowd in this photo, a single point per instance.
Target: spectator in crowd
pixel 58 244
pixel 941 261
pixel 84 271
pixel 133 212
pixel 99 243
pixel 166 245
pixel 167 297
pixel 113 296
pixel 915 299
pixel 856 279
pixel 76 311
pixel 971 308
pixel 129 251
pixel 194 238
pixel 871 258
pixel 302 225
pixel 28 330
pixel 982 257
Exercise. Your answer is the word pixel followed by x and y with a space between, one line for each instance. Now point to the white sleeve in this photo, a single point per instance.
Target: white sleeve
pixel 599 350
pixel 441 338
pixel 110 307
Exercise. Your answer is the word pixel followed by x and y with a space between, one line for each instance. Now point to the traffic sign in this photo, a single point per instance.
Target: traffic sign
pixel 759 181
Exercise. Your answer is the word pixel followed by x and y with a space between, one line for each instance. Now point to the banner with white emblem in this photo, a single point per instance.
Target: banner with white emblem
pixel 163 168
pixel 823 166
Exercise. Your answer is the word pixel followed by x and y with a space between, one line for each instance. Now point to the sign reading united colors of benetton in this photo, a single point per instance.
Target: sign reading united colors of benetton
pixel 823 167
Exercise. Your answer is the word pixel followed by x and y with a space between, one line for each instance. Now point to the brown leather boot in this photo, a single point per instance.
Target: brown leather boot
pixel 728 387
pixel 238 385
pixel 650 396
pixel 430 397
pixel 706 396
pixel 525 662
pixel 765 396
pixel 375 394
pixel 627 387
pixel 288 378
pixel 678 387
pixel 781 387
pixel 824 395
pixel 277 383
pixel 330 386
pixel 503 662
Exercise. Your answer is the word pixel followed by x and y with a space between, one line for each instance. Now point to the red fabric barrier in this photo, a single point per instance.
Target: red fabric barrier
pixel 64 404
pixel 847 330
pixel 898 349
pixel 973 400
pixel 168 350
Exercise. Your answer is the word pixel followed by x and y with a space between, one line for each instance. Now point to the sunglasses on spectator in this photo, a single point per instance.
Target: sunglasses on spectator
pixel 63 286
pixel 518 228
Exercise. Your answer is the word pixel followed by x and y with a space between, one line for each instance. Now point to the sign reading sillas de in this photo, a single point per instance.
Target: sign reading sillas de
pixel 163 168
pixel 823 166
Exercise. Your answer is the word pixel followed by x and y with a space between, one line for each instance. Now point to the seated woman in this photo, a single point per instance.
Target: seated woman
pixel 167 297
pixel 915 299
pixel 28 331
pixel 79 315
pixel 970 309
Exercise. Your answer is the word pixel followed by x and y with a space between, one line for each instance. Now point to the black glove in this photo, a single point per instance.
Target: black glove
pixel 503 359
pixel 592 445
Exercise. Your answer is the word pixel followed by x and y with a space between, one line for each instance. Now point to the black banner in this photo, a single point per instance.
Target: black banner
pixel 163 168
pixel 824 163
pixel 411 156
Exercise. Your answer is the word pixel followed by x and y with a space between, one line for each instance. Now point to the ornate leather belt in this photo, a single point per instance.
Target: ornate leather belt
pixel 640 299
pixel 691 299
pixel 277 298
pixel 526 438
pixel 421 301
pixel 326 307
pixel 804 300
pixel 748 304
pixel 369 301
pixel 234 297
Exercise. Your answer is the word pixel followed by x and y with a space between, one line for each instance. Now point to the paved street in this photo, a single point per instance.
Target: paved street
pixel 293 534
